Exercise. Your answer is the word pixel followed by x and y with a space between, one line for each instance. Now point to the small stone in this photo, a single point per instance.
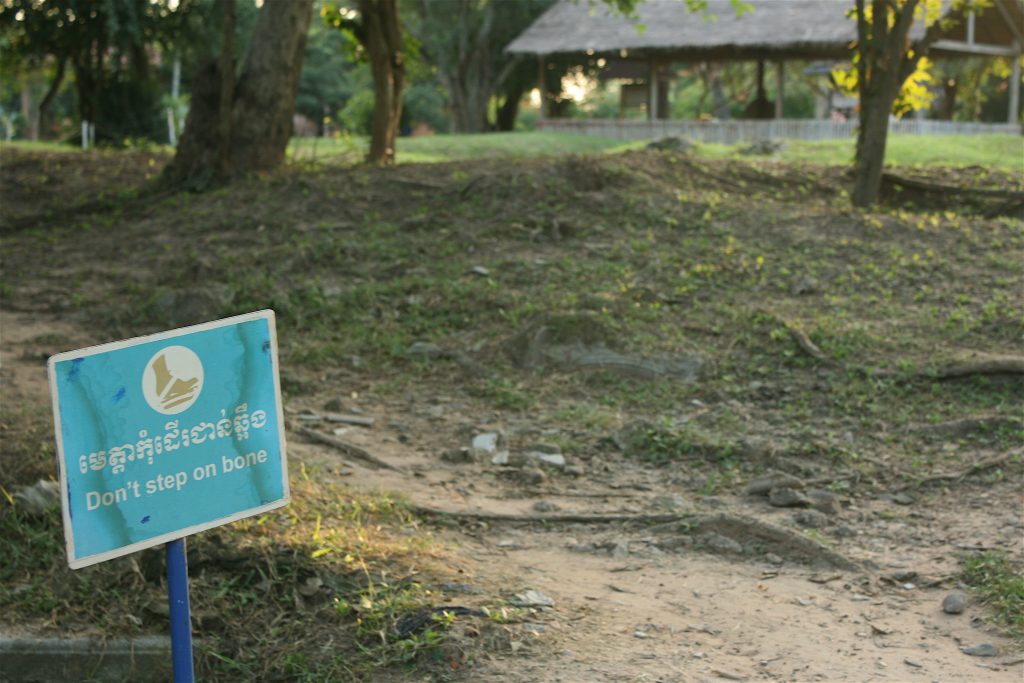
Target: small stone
pixel 458 455
pixel 762 486
pixel 531 598
pixel 785 497
pixel 825 502
pixel 424 351
pixel 772 558
pixel 531 476
pixel 480 270
pixel 954 603
pixel 40 498
pixel 811 519
pixel 911 662
pixel 981 650
pixel 574 470
pixel 902 499
pixel 553 459
pixel 487 441
pixel 334 405
pixel 500 458
pixel 720 543
pixel 545 506
pixel 461 588
pixel 620 550
pixel 311 587
pixel 672 502
pixel 805 285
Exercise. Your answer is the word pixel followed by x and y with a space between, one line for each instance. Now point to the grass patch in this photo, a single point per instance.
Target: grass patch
pixel 1002 151
pixel 999 583
pixel 442 148
pixel 355 567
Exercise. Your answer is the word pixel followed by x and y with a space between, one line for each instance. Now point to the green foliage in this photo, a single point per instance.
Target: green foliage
pixel 999 582
pixel 662 444
pixel 357 114
pixel 106 46
pixel 329 77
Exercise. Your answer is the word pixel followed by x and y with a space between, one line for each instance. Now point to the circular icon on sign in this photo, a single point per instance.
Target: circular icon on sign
pixel 172 380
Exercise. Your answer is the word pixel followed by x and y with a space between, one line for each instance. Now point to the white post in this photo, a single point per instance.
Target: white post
pixel 1014 113
pixel 779 89
pixel 172 125
pixel 85 134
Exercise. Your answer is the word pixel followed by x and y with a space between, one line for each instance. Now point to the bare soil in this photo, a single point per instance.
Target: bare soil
pixel 641 600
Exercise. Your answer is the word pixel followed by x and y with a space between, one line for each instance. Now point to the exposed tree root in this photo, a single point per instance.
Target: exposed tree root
pixel 800 337
pixel 743 530
pixel 990 366
pixel 967 425
pixel 959 475
pixel 348 449
pixel 924 186
pixel 545 519
pixel 781 541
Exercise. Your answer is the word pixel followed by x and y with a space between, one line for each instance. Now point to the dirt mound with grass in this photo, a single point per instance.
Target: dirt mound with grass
pixel 654 416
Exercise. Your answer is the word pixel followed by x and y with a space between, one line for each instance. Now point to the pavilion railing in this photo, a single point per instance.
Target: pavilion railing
pixel 732 132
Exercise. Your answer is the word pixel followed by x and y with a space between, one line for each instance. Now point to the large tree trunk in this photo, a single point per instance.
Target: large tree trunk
pixel 872 136
pixel 883 66
pixel 264 102
pixel 383 42
pixel 235 128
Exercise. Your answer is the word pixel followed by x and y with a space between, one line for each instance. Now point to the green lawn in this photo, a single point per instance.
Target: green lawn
pixel 1000 151
pixel 994 151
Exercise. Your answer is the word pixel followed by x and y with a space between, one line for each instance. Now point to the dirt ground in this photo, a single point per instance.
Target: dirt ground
pixel 685 585
pixel 630 604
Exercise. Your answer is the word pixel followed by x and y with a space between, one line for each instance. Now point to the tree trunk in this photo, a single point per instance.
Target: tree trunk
pixel 509 110
pixel 883 66
pixel 264 101
pixel 51 92
pixel 204 149
pixel 383 42
pixel 236 127
pixel 872 135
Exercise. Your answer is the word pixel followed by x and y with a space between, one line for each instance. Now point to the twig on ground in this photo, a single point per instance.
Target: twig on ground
pixel 541 519
pixel 348 449
pixel 800 337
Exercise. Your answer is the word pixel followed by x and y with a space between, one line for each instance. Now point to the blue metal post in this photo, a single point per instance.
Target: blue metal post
pixel 181 620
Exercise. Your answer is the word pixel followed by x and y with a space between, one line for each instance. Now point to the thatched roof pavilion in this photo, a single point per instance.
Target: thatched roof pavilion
pixel 776 30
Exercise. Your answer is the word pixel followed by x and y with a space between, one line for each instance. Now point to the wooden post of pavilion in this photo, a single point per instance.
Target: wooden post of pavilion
pixel 780 78
pixel 652 89
pixel 542 87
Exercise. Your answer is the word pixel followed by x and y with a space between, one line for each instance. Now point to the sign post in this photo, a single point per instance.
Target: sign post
pixel 164 436
pixel 181 617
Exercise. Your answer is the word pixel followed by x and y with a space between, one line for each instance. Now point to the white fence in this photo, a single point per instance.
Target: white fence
pixel 731 132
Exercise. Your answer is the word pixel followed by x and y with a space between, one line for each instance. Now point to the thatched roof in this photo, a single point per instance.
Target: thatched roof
pixel 776 29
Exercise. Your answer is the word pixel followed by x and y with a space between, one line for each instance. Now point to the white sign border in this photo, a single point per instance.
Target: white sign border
pixel 51 367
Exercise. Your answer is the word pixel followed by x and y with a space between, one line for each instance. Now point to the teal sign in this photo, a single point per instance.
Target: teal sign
pixel 162 436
